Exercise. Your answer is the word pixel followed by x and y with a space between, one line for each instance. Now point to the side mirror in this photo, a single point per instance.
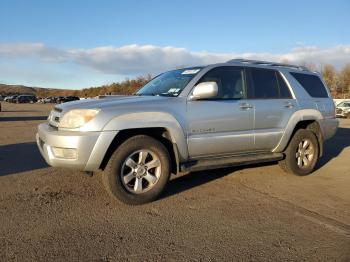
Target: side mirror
pixel 204 90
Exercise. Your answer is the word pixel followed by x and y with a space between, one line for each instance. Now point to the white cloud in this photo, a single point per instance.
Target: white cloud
pixel 142 59
pixel 23 50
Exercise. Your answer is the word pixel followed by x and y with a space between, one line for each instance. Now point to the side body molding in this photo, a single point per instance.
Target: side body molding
pixel 301 115
pixel 149 120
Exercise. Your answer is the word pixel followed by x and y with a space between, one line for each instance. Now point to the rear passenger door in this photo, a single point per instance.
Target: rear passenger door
pixel 273 105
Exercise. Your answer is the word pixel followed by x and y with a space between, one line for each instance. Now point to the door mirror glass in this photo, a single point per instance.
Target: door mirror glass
pixel 205 90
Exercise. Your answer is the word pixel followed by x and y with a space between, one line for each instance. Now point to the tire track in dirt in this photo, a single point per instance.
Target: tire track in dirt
pixel 310 215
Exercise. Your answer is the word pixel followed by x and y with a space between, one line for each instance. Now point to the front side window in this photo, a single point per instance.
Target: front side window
pixel 169 83
pixel 230 81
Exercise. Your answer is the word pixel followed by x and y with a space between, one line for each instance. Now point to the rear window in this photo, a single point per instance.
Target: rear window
pixel 312 84
pixel 344 104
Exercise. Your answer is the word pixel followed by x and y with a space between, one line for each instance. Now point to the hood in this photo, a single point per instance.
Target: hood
pixel 111 102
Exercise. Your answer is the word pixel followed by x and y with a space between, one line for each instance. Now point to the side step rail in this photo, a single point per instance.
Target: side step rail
pixel 228 161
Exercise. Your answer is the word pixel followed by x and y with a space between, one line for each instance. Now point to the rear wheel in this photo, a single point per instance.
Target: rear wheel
pixel 301 154
pixel 138 170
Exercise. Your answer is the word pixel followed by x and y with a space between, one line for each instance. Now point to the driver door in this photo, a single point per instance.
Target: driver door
pixel 225 124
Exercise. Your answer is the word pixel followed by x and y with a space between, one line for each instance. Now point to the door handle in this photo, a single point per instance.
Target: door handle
pixel 245 106
pixel 288 105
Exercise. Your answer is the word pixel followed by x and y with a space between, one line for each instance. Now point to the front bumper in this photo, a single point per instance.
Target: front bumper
pixel 90 147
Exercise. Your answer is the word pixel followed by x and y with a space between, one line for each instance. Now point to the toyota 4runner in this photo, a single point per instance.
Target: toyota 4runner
pixel 191 119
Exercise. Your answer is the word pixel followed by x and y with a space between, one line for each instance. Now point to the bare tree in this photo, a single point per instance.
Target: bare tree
pixel 330 76
pixel 345 79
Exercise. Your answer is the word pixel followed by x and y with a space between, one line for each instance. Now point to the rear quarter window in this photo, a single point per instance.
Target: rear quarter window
pixel 312 84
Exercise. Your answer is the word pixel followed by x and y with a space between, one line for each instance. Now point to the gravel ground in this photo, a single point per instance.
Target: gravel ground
pixel 254 213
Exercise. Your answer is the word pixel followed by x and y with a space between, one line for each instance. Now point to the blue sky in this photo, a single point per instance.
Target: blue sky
pixel 76 44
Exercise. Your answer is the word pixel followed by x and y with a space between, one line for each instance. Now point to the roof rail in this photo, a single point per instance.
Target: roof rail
pixel 259 62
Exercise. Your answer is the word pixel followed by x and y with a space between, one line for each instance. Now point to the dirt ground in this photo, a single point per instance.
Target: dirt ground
pixel 254 213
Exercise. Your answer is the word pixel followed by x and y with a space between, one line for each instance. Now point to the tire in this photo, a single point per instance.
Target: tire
pixel 127 176
pixel 301 154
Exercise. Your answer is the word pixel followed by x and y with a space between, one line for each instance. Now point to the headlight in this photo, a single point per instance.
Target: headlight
pixel 77 117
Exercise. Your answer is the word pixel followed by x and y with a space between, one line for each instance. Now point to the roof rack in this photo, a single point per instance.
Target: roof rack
pixel 259 62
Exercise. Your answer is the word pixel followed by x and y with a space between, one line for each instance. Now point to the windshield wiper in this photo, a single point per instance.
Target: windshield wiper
pixel 156 94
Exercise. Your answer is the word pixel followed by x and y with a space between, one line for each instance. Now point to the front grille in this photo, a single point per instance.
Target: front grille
pixel 339 110
pixel 41 143
pixel 55 128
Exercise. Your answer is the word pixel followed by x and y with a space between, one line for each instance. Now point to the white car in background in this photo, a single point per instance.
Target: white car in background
pixel 343 109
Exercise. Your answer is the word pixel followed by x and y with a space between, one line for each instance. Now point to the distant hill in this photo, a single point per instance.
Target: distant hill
pixel 125 87
pixel 38 91
pixel 17 89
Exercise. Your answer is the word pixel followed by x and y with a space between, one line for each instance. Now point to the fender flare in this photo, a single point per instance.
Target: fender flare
pixel 298 116
pixel 152 120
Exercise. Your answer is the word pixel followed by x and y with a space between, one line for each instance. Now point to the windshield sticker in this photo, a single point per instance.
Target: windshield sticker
pixel 190 72
pixel 174 90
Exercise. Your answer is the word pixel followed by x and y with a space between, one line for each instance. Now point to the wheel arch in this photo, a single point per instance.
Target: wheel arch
pixel 161 134
pixel 303 119
pixel 314 127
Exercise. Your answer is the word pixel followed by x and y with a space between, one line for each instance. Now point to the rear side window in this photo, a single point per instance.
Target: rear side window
pixel 267 84
pixel 312 84
pixel 284 90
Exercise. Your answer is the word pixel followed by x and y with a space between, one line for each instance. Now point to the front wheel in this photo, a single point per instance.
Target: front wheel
pixel 301 154
pixel 138 170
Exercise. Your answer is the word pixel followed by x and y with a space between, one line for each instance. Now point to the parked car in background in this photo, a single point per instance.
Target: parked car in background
pixel 26 99
pixel 10 99
pixel 2 98
pixel 65 99
pixel 55 99
pixel 48 100
pixel 343 109
pixel 235 113
pixel 58 99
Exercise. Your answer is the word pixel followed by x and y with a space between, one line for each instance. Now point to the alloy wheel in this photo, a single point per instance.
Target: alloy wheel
pixel 305 153
pixel 140 171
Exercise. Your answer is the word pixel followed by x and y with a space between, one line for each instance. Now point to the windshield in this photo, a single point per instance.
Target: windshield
pixel 169 83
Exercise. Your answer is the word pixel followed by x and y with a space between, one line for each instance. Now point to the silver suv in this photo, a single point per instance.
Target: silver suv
pixel 191 119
